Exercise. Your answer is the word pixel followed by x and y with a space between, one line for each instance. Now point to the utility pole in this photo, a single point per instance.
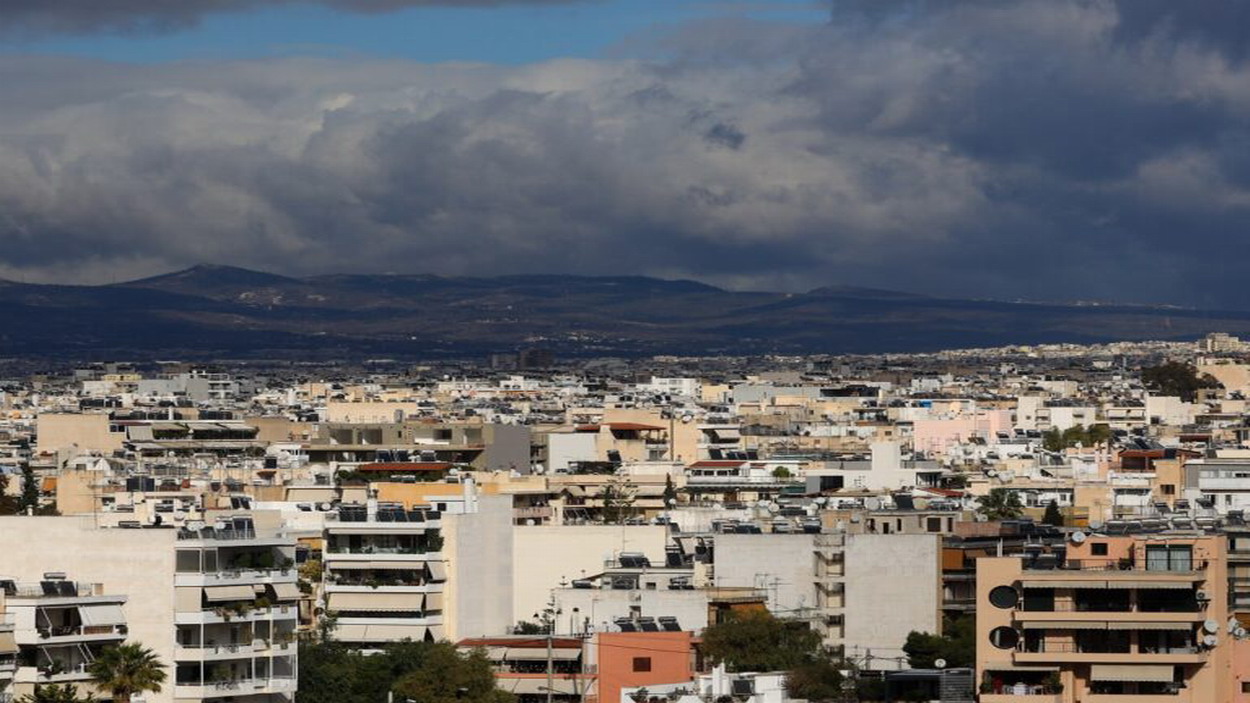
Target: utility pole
pixel 550 663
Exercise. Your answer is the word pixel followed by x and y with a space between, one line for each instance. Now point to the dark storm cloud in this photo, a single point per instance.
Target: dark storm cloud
pixel 1057 149
pixel 84 16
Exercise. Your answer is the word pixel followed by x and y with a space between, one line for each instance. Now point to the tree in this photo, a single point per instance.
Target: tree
pixel 957 645
pixel 127 669
pixel 670 491
pixel 1178 379
pixel 818 679
pixel 618 500
pixel 30 489
pixel 782 473
pixel 9 505
pixel 757 641
pixel 446 676
pixel 1052 516
pixel 1000 504
pixel 53 693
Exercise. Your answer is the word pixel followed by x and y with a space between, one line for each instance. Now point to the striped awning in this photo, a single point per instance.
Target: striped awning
pixel 438 570
pixel 1056 583
pixel 377 602
pixel 226 594
pixel 101 615
pixel 1174 626
pixel 1163 585
pixel 379 633
pixel 286 591
pixel 1157 673
pixel 1064 625
pixel 433 601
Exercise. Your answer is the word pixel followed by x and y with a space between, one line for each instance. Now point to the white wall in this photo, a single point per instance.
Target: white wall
pixel 893 586
pixel 546 554
pixel 479 551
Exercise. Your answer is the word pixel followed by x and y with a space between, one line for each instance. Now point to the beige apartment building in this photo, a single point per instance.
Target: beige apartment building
pixel 217 604
pixel 1141 619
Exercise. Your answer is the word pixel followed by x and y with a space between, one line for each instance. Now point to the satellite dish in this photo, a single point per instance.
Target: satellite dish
pixel 1239 633
pixel 1077 537
pixel 1209 640
pixel 687 418
pixel 991 473
pixel 1202 595
pixel 939 663
pixel 1211 626
pixel 1095 525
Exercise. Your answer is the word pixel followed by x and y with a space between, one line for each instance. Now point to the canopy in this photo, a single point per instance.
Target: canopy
pixel 101 615
pixel 1159 673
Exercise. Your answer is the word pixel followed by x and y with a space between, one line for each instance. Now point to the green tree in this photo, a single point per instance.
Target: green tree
pixel 53 693
pixel 30 489
pixel 957 645
pixel 618 500
pixel 9 505
pixel 782 473
pixel 447 676
pixel 1000 504
pixel 670 491
pixel 757 641
pixel 127 669
pixel 1177 378
pixel 817 679
pixel 1052 516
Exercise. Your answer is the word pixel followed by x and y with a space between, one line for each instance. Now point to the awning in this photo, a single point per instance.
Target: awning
pixel 379 602
pixel 101 615
pixel 533 687
pixel 1062 584
pixel 1023 668
pixel 727 434
pixel 286 591
pixel 222 594
pixel 1158 673
pixel 433 601
pixel 1064 625
pixel 540 653
pixel 379 633
pixel 438 570
pixel 1165 585
pixel 139 433
pixel 1174 626
pixel 8 643
pixel 436 632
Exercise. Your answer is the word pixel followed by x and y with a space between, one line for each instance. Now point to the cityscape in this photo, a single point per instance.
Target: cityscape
pixel 624 351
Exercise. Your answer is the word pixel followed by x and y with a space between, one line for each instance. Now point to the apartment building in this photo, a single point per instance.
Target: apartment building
pixel 835 581
pixel 8 656
pixel 384 573
pixel 217 603
pixel 1141 618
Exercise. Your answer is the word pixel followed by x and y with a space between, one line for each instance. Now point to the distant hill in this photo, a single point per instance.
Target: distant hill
pixel 218 311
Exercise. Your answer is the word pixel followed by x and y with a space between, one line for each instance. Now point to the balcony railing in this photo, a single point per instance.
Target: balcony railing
pixel 1128 565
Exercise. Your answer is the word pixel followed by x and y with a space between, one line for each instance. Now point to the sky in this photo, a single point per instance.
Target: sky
pixel 1010 149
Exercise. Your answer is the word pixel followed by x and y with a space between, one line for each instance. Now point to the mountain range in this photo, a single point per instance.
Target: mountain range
pixel 226 312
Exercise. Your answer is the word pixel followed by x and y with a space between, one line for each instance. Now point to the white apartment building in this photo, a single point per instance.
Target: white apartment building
pixel 216 604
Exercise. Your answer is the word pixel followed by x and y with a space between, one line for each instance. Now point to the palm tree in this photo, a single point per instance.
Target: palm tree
pixel 53 693
pixel 1000 504
pixel 127 669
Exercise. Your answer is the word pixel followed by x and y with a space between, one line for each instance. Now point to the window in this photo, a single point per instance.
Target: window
pixel 1245 686
pixel 1098 549
pixel 1004 597
pixel 934 524
pixel 1168 489
pixel 1004 637
pixel 1169 558
pixel 642 663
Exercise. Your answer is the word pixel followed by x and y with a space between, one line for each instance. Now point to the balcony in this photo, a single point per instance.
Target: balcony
pixel 1104 564
pixel 219 652
pixel 1070 653
pixel 1022 698
pixel 80 633
pixel 221 616
pixel 234 687
pixel 242 577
